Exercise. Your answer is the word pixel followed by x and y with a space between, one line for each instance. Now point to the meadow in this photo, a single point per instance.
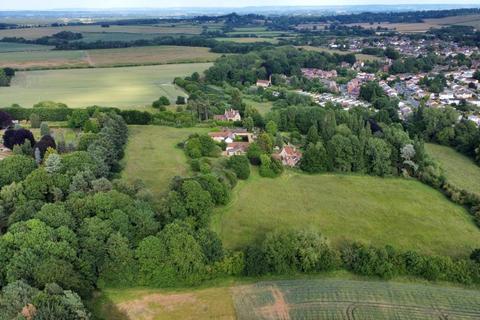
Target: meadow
pixel 16 47
pixel 404 213
pixel 152 155
pixel 459 170
pixel 129 87
pixel 248 40
pixel 105 57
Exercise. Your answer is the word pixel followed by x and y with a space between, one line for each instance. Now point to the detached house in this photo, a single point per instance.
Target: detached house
pixel 229 115
pixel 289 156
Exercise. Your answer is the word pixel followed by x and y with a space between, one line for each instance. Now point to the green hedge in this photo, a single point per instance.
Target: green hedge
pixel 46 114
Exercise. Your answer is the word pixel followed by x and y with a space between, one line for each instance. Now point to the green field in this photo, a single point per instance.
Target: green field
pixel 404 213
pixel 347 299
pixel 132 87
pixel 460 170
pixel 248 40
pixel 16 47
pixel 262 107
pixel 105 57
pixel 359 56
pixel 153 157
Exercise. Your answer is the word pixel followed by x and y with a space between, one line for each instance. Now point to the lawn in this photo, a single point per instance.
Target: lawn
pixel 404 213
pixel 460 170
pixel 152 155
pixel 130 87
pixel 315 297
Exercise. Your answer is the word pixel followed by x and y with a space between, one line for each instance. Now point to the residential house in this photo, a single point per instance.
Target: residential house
pixel 264 83
pixel 289 155
pixel 229 115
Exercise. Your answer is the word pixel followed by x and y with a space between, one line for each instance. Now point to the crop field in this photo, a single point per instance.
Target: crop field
pixel 129 87
pixel 43 59
pixel 105 57
pixel 153 157
pixel 459 170
pixel 15 47
pixel 349 300
pixel 35 33
pixel 150 55
pixel 404 213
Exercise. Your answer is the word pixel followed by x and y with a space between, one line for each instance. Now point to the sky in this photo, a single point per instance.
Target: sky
pixel 68 4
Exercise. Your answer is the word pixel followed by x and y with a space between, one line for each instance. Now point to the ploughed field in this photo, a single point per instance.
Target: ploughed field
pixel 404 213
pixel 129 87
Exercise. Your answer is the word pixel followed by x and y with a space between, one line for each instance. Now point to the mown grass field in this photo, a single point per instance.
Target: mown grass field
pixel 129 87
pixel 152 155
pixel 105 57
pixel 262 107
pixel 404 213
pixel 317 297
pixel 347 299
pixel 459 170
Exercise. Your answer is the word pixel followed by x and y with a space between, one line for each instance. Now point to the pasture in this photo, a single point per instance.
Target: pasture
pixel 105 57
pixel 404 213
pixel 152 155
pixel 248 40
pixel 129 87
pixel 459 170
pixel 348 299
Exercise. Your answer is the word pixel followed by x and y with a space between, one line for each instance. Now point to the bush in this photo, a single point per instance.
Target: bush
pixel 6 120
pixel 270 167
pixel 78 118
pixel 162 101
pixel 240 165
pixel 35 121
pixel 13 137
pixel 180 100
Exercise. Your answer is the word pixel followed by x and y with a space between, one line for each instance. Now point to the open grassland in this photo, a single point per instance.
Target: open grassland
pixel 151 304
pixel 16 47
pixel 347 299
pixel 132 87
pixel 359 56
pixel 152 155
pixel 105 57
pixel 459 170
pixel 404 213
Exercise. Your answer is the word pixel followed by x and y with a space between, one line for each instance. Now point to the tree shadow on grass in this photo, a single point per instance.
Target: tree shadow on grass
pixel 106 309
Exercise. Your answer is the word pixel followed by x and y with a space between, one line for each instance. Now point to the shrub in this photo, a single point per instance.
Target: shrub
pixel 181 100
pixel 15 168
pixel 13 137
pixel 162 101
pixel 6 120
pixel 35 120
